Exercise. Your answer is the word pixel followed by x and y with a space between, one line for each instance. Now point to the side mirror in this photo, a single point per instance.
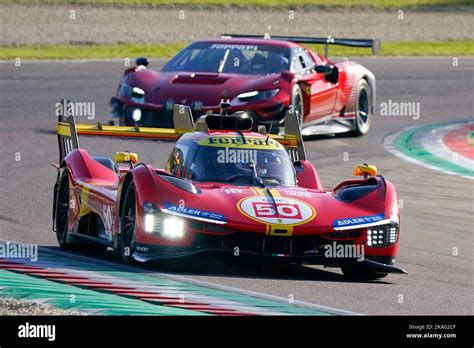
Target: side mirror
pixel 365 170
pixel 142 61
pixel 324 69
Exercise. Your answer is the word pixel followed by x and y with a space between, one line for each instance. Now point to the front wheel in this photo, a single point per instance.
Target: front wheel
pixel 127 225
pixel 363 115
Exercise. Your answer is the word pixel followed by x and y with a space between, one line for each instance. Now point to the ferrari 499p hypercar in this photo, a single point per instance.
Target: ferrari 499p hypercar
pixel 263 76
pixel 224 189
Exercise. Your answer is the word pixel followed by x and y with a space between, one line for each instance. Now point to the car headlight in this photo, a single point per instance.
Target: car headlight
pixel 149 222
pixel 383 235
pixel 258 95
pixel 137 115
pixel 156 222
pixel 173 227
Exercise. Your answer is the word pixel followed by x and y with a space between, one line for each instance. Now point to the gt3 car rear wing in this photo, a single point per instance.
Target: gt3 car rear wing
pixel 184 123
pixel 363 43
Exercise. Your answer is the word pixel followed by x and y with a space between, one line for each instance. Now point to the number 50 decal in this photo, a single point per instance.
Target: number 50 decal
pixel 281 210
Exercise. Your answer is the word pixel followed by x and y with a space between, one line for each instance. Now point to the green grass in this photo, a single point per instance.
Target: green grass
pixel 443 48
pixel 93 51
pixel 263 3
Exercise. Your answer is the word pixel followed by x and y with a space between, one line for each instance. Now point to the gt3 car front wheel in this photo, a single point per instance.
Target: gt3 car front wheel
pixel 363 103
pixel 127 225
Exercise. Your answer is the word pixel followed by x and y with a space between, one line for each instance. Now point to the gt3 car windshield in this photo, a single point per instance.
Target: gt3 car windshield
pixel 242 166
pixel 231 59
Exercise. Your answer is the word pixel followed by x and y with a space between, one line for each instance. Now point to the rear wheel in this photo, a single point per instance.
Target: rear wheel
pixel 363 102
pixel 127 225
pixel 297 103
pixel 62 211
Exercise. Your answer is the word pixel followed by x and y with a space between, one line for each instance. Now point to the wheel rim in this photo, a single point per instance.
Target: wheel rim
pixel 298 107
pixel 128 222
pixel 363 107
pixel 62 210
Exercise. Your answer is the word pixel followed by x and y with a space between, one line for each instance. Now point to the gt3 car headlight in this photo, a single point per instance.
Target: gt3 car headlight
pixel 173 227
pixel 137 115
pixel 258 95
pixel 382 236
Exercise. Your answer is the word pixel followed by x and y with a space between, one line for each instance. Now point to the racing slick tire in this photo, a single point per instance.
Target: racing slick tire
pixel 62 216
pixel 363 115
pixel 127 225
pixel 355 271
pixel 62 212
pixel 297 103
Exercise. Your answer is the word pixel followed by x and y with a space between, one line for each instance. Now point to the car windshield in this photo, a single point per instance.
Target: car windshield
pixel 242 166
pixel 231 59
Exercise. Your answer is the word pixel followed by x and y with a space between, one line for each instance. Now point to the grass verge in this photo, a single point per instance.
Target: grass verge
pixel 442 48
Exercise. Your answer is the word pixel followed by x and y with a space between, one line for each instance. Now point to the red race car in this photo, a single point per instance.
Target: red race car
pixel 262 76
pixel 224 189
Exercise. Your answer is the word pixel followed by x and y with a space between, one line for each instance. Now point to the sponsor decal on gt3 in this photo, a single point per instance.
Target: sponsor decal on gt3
pixel 196 213
pixel 234 47
pixel 361 220
pixel 279 210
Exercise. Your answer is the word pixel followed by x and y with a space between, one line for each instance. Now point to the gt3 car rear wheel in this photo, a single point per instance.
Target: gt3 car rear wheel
pixel 127 225
pixel 62 211
pixel 297 103
pixel 363 103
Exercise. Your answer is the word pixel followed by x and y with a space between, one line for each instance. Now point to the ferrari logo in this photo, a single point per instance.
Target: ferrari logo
pixel 308 90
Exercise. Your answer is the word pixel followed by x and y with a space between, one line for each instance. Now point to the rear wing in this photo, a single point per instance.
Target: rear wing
pixel 184 123
pixel 182 118
pixel 67 135
pixel 326 41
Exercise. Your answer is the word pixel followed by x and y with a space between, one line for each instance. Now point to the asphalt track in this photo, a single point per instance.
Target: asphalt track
pixel 437 215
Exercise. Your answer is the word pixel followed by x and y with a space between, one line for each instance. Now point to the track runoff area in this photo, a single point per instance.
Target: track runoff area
pixel 88 286
pixel 446 147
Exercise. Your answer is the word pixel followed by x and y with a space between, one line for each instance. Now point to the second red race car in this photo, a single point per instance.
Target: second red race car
pixel 262 76
pixel 224 189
